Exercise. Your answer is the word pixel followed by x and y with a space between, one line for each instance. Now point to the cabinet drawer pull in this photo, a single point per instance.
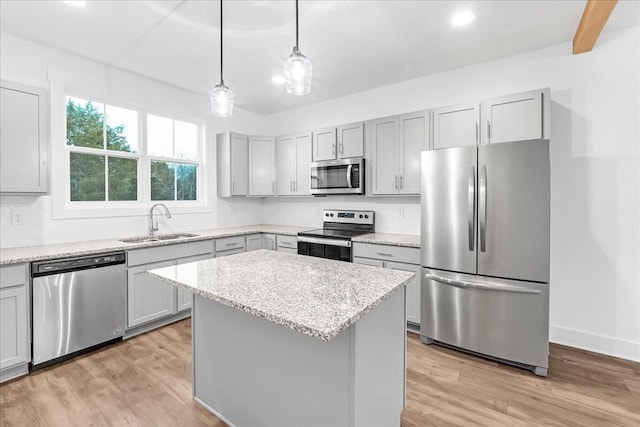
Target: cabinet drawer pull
pixel 232 244
pixel 384 254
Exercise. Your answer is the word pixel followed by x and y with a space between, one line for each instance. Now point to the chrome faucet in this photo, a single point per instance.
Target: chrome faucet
pixel 153 227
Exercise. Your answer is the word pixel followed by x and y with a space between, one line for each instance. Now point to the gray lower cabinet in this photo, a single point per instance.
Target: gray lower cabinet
pixel 254 242
pixel 149 299
pixel 230 246
pixel 269 241
pixel 15 339
pixel 287 244
pixel 397 258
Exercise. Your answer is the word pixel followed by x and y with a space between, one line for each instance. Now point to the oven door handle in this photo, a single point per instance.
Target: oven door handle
pixel 321 241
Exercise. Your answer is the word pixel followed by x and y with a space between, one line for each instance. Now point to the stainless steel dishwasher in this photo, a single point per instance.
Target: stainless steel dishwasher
pixel 78 304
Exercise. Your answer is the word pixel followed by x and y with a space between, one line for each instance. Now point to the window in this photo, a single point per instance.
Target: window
pixel 111 160
pixel 167 138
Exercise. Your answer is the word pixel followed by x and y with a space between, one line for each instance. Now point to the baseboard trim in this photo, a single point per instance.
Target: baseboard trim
pixel 616 347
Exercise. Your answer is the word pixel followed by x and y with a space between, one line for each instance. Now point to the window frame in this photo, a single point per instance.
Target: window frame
pixel 64 207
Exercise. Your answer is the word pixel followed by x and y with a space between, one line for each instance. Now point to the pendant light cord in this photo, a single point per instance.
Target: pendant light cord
pixel 297 25
pixel 221 69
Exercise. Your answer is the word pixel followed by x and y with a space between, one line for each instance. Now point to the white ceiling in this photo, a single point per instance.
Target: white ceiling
pixel 353 45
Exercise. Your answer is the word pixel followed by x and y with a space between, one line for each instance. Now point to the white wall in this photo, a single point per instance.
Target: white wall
pixel 36 65
pixel 595 166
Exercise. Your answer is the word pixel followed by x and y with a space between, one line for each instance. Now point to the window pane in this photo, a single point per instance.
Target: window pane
pixel 122 129
pixel 85 123
pixel 186 135
pixel 162 181
pixel 123 179
pixel 159 136
pixel 87 177
pixel 186 182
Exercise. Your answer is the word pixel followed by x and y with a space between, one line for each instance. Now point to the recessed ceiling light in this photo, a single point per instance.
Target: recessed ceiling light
pixel 76 3
pixel 462 18
pixel 278 79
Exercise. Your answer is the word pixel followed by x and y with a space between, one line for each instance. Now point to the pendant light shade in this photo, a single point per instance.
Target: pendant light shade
pixel 297 69
pixel 221 97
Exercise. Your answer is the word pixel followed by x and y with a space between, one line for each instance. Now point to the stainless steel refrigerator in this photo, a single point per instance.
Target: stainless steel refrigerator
pixel 485 251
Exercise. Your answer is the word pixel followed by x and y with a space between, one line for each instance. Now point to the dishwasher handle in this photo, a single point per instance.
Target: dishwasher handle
pixel 57 266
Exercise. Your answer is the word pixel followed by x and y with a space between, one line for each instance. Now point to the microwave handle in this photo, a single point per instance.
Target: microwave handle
pixel 349 170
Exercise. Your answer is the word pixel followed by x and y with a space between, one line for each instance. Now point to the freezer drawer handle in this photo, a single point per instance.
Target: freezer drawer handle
pixel 481 286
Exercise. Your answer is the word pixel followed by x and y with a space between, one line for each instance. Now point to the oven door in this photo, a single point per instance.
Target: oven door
pixel 325 248
pixel 345 176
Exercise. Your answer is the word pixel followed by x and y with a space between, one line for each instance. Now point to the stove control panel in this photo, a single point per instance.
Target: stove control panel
pixel 348 217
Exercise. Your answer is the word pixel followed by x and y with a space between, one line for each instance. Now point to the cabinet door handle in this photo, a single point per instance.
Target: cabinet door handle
pixel 395 185
pixel 273 187
pixel 295 186
pixel 341 145
pixel 233 188
pixel 489 130
pixel 333 149
pixel 401 184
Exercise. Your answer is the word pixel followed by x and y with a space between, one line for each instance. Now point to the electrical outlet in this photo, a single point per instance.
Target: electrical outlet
pixel 18 217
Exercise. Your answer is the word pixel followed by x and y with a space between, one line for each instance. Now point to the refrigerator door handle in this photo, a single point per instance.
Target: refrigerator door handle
pixel 482 286
pixel 482 205
pixel 471 206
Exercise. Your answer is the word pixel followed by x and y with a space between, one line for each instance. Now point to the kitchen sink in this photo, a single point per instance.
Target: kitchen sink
pixel 158 238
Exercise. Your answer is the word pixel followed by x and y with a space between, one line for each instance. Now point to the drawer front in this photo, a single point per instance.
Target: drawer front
pixel 13 275
pixel 290 242
pixel 387 253
pixel 229 243
pixel 161 253
pixel 229 252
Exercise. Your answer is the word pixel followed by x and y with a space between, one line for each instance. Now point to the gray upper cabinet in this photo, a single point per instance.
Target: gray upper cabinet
pixel 262 166
pixel 339 143
pixel 24 139
pixel 456 126
pixel 396 145
pixel 232 160
pixel 294 158
pixel 516 117
pixel 324 144
pixel 350 140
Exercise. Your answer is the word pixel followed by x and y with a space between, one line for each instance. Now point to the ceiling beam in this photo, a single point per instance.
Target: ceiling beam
pixel 595 15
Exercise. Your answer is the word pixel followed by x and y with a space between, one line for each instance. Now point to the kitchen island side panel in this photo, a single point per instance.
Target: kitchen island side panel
pixel 290 379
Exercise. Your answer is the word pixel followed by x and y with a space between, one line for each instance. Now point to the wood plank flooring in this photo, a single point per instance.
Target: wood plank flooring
pixel 146 381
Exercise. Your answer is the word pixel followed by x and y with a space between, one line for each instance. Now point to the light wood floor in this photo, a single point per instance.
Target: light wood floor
pixel 146 381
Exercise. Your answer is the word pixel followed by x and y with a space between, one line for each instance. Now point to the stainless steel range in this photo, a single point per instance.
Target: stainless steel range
pixel 333 240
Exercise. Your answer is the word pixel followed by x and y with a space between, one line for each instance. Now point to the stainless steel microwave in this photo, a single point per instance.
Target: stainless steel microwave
pixel 344 176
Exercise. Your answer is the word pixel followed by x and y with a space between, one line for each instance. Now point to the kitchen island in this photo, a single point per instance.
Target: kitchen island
pixel 289 340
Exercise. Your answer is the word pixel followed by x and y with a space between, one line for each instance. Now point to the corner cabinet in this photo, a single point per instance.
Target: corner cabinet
pixel 396 144
pixel 262 166
pixel 294 158
pixel 232 160
pixel 15 341
pixel 397 258
pixel 340 142
pixel 24 139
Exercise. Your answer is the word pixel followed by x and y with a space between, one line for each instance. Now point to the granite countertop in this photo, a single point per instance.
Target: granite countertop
pixel 407 240
pixel 316 296
pixel 61 250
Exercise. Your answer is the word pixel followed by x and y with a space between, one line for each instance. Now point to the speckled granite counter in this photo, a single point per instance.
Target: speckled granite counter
pixel 407 240
pixel 60 250
pixel 315 296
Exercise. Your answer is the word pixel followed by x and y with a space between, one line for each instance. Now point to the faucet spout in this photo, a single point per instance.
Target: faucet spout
pixel 153 226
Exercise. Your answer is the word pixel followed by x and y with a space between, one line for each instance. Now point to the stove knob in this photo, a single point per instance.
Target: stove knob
pixel 326 214
pixel 360 215
pixel 366 216
pixel 332 215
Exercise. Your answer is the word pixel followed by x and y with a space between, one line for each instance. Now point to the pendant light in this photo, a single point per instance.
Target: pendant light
pixel 220 96
pixel 297 69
